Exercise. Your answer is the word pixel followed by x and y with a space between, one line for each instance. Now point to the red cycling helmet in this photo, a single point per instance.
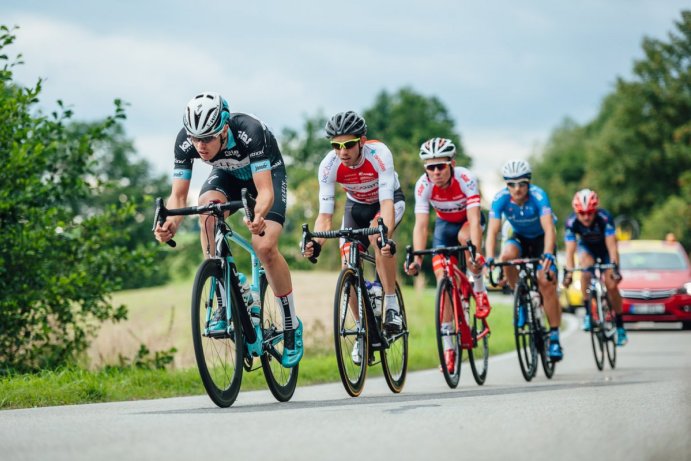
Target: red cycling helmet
pixel 585 201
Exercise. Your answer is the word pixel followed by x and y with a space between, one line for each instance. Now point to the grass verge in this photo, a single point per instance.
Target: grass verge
pixel 79 386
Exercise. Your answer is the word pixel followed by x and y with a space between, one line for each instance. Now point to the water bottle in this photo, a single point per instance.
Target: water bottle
pixel 535 300
pixel 251 298
pixel 376 295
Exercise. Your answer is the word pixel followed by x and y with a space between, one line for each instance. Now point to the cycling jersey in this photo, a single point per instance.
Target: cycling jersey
pixel 525 219
pixel 251 147
pixel 451 202
pixel 371 181
pixel 591 239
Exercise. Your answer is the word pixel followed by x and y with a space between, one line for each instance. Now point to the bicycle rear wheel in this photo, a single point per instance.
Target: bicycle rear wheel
pixel 219 358
pixel 524 334
pixel 447 333
pixel 478 356
pixel 348 331
pixel 610 332
pixel 281 381
pixel 597 334
pixel 394 359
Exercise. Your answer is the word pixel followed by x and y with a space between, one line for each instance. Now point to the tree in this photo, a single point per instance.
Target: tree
pixel 57 266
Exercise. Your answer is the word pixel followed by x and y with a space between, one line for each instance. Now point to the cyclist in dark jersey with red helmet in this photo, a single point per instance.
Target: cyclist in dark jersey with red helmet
pixel 244 154
pixel 590 231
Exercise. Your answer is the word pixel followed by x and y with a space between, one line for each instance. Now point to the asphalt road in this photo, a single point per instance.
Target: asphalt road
pixel 639 411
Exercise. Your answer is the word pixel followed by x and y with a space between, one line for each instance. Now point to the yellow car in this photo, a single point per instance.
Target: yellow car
pixel 572 297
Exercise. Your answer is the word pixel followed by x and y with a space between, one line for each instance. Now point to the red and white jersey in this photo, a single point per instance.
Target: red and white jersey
pixel 449 202
pixel 372 180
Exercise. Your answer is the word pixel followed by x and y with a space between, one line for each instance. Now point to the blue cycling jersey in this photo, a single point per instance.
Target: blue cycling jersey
pixel 593 235
pixel 525 219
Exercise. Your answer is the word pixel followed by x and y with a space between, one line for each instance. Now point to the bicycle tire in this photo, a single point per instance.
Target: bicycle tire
pixel 346 333
pixel 609 332
pixel 219 359
pixel 479 364
pixel 394 359
pixel 281 381
pixel 524 336
pixel 597 334
pixel 542 342
pixel 444 301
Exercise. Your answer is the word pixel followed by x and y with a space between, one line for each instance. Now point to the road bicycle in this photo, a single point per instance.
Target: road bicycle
pixel 532 337
pixel 603 331
pixel 223 355
pixel 455 314
pixel 355 320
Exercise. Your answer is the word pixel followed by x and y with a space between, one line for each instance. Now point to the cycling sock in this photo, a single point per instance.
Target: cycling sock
pixel 619 320
pixel 554 333
pixel 391 302
pixel 478 283
pixel 288 305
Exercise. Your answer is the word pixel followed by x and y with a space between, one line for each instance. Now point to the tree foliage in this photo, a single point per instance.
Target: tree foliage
pixel 635 152
pixel 59 259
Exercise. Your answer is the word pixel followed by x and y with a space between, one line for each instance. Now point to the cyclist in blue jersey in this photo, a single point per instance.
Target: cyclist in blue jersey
pixel 244 154
pixel 527 208
pixel 590 231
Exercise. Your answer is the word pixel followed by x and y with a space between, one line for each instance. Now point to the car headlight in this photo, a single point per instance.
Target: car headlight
pixel 686 289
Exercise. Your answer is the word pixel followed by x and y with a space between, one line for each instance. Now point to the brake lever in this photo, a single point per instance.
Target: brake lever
pixel 160 218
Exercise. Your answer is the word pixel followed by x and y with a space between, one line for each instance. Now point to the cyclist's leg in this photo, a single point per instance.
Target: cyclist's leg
pixel 585 259
pixel 550 299
pixel 511 250
pixel 277 270
pixel 615 301
pixel 219 187
pixel 483 306
pixel 445 235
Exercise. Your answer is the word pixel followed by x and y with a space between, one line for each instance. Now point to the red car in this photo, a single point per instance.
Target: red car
pixel 656 285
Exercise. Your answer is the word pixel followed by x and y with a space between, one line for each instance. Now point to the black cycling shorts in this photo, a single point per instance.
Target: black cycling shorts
pixel 224 182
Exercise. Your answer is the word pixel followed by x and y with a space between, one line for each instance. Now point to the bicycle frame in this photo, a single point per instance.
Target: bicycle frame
pixel 597 290
pixel 462 291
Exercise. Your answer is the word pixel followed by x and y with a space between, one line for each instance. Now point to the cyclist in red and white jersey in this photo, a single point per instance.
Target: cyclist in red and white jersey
pixel 454 194
pixel 365 170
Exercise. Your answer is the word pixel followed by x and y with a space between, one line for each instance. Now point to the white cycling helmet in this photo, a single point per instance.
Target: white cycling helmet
pixel 516 169
pixel 206 114
pixel 436 148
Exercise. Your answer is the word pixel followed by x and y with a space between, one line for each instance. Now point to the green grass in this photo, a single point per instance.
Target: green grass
pixel 76 386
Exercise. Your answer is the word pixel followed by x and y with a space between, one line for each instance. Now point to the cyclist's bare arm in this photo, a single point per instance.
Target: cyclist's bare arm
pixel 389 216
pixel 550 232
pixel 611 243
pixel 177 199
pixel 492 231
pixel 419 240
pixel 474 222
pixel 264 201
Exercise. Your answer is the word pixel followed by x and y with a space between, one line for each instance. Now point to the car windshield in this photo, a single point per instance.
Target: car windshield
pixel 652 260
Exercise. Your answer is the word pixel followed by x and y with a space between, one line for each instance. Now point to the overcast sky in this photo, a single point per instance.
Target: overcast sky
pixel 508 71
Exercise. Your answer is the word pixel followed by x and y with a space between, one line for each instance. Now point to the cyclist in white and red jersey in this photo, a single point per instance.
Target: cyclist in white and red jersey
pixel 365 170
pixel 454 194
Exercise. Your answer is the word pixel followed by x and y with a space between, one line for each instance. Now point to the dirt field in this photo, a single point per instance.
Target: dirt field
pixel 160 319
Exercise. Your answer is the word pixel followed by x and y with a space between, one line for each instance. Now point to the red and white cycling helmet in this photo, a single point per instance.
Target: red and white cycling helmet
pixel 437 148
pixel 585 201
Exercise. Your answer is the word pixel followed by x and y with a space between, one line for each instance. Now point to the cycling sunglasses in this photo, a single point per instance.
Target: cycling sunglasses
pixel 345 144
pixel 586 213
pixel 203 139
pixel 437 166
pixel 513 184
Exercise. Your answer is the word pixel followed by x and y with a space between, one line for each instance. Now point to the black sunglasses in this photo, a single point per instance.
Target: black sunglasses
pixel 436 166
pixel 513 184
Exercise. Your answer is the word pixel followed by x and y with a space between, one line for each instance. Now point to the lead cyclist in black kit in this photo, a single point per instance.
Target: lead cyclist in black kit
pixel 243 154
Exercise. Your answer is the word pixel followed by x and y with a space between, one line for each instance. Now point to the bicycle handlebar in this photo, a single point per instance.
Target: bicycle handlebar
pixel 446 251
pixel 348 233
pixel 161 213
pixel 519 262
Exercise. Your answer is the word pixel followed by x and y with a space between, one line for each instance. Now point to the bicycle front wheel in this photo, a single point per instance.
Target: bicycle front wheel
pixel 523 332
pixel 542 336
pixel 610 332
pixel 394 359
pixel 281 381
pixel 350 333
pixel 448 336
pixel 478 355
pixel 597 334
pixel 219 357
